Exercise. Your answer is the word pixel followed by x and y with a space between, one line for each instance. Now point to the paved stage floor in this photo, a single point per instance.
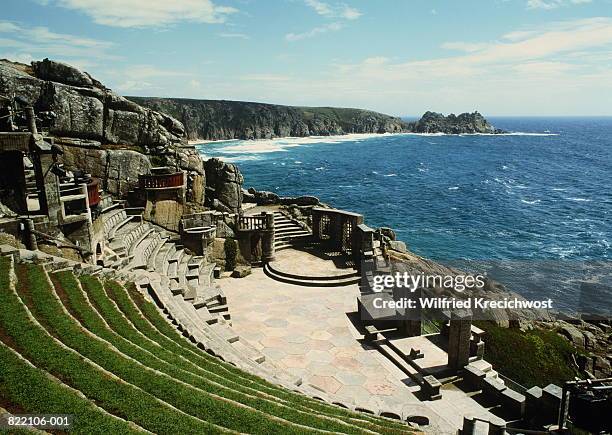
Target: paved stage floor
pixel 308 331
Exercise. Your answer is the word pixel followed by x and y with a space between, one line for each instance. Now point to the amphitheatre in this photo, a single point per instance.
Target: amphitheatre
pixel 143 290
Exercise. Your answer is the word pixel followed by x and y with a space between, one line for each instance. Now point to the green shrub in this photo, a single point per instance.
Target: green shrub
pixel 230 254
pixel 538 357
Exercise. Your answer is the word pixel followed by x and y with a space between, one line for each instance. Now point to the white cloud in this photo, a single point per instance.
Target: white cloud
pixel 146 13
pixel 559 68
pixel 25 44
pixel 332 27
pixel 140 78
pixel 350 13
pixel 464 46
pixel 320 7
pixel 553 4
pixel 266 77
pixel 340 13
pixel 233 35
pixel 335 11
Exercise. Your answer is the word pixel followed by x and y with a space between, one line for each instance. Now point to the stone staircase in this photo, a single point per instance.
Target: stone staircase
pixel 487 369
pixel 286 230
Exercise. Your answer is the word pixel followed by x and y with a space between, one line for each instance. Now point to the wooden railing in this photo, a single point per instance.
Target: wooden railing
pixel 161 181
pixel 252 223
pixel 93 192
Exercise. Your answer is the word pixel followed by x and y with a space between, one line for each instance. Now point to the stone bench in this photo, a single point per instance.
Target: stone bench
pixel 431 387
pixel 481 426
pixel 473 376
pixel 372 332
pixel 513 403
pixel 492 388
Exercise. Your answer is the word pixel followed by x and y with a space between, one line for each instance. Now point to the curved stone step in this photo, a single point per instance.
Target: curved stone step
pixel 306 281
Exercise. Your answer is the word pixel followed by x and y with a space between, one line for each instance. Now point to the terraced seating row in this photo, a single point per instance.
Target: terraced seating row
pixel 136 245
pixel 134 372
pixel 112 219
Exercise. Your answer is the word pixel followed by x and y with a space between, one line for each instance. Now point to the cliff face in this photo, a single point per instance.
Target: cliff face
pixel 101 132
pixel 84 108
pixel 216 119
pixel 432 122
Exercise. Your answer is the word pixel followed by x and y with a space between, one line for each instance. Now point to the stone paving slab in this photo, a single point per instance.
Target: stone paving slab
pixel 306 331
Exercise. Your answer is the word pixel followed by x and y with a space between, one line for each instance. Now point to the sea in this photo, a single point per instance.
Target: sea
pixel 532 208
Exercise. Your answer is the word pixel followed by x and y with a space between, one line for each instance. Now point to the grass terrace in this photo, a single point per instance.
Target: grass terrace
pixel 104 353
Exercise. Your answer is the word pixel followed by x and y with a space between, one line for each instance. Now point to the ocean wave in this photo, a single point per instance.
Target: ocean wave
pixel 320 168
pixel 390 175
pixel 526 201
pixel 235 159
pixel 578 199
pixel 454 188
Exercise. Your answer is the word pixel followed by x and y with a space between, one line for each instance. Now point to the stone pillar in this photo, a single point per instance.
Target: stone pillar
pixel 267 239
pixel 50 187
pixel 31 237
pixel 336 225
pixel 459 339
pixel 31 117
pixel 410 325
pixel 316 225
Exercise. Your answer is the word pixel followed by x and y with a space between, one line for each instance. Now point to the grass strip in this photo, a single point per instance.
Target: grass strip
pixel 115 396
pixel 33 391
pixel 147 318
pixel 131 343
pixel 205 406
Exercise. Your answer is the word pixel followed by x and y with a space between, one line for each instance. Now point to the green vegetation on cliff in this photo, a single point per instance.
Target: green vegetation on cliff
pixel 538 357
pixel 219 119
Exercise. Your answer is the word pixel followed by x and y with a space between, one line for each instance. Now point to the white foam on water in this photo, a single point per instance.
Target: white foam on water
pixel 454 188
pixel 578 199
pixel 525 201
pixel 390 175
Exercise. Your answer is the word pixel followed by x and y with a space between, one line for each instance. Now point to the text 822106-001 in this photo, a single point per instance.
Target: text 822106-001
pixel 39 421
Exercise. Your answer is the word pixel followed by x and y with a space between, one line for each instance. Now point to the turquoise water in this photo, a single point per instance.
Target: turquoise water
pixel 540 195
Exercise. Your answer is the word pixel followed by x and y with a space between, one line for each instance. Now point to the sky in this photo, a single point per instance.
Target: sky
pixel 401 57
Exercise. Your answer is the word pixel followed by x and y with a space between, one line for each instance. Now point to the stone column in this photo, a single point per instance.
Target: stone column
pixel 49 187
pixel 316 225
pixel 459 339
pixel 410 324
pixel 31 117
pixel 336 226
pixel 267 239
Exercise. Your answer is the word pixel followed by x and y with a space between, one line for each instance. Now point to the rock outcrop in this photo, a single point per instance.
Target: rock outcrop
pixel 466 123
pixel 213 119
pixel 83 108
pixel 224 185
pixel 262 197
pixel 118 169
pixel 102 132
